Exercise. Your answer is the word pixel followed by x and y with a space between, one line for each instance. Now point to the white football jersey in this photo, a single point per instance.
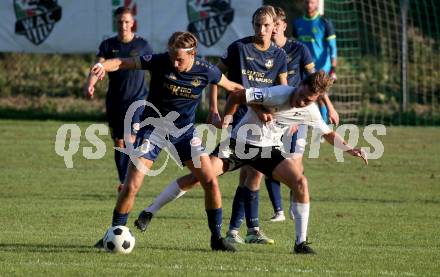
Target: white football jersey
pixel 251 130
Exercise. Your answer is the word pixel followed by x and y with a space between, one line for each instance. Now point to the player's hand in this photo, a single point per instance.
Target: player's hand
pixel 356 152
pixel 333 116
pixel 98 70
pixel 332 74
pixel 293 129
pixel 263 115
pixel 89 91
pixel 267 117
pixel 214 119
pixel 227 119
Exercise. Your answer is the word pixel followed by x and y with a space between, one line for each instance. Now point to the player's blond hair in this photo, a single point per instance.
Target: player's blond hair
pixel 266 10
pixel 281 14
pixel 183 40
pixel 318 82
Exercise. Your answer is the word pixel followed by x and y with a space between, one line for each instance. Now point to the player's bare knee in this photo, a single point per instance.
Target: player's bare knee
pixel 252 186
pixel 119 143
pixel 300 187
pixel 210 185
pixel 187 182
pixel 131 188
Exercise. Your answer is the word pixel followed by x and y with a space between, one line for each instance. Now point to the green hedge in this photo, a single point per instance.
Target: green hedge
pixel 45 75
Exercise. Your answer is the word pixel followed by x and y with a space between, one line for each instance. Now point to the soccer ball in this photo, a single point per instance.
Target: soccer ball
pixel 119 239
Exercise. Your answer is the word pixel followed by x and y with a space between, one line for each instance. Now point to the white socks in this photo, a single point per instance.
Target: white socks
pixel 233 232
pixel 253 230
pixel 170 193
pixel 301 212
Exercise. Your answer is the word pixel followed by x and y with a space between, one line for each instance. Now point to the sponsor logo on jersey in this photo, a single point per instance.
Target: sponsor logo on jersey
pixel 147 58
pixel 269 63
pixel 172 76
pixel 196 82
pixel 209 19
pixel 36 18
pixel 256 76
pixel 258 96
pixel 250 58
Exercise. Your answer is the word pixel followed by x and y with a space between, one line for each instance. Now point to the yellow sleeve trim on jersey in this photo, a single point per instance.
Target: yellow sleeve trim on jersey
pixel 310 67
pixel 306 39
pixel 331 37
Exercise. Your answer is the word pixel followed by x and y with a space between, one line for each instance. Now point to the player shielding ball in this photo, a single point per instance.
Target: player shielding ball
pixel 178 78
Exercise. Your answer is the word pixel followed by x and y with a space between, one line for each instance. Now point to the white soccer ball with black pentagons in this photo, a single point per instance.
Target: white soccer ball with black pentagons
pixel 119 239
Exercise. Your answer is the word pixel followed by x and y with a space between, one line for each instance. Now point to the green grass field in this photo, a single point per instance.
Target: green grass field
pixel 380 220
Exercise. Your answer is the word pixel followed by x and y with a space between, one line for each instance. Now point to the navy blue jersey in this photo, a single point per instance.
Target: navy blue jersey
pixel 171 90
pixel 125 86
pixel 252 67
pixel 298 60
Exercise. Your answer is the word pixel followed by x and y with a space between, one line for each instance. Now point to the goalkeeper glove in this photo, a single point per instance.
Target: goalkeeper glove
pixel 332 73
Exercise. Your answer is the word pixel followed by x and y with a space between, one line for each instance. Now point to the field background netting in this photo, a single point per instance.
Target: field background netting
pixel 387 68
pixel 389 60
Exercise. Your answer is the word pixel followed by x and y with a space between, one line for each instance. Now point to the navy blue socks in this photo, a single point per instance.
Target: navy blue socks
pixel 237 215
pixel 119 219
pixel 251 207
pixel 215 222
pixel 274 190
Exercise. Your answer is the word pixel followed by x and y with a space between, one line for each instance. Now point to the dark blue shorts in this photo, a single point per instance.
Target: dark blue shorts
pixel 186 147
pixel 296 142
pixel 238 115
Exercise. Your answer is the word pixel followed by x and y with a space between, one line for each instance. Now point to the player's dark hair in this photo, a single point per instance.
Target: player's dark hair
pixel 281 14
pixel 318 82
pixel 183 40
pixel 123 10
pixel 266 10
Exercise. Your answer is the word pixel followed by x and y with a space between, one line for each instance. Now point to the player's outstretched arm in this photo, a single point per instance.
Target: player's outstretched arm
pixel 263 114
pixel 236 97
pixel 89 86
pixel 230 86
pixel 232 103
pixel 332 113
pixel 100 68
pixel 257 98
pixel 213 115
pixel 334 139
